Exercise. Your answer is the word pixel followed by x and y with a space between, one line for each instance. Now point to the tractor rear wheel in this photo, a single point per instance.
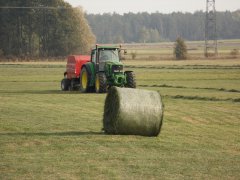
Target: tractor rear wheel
pixel 100 83
pixel 65 84
pixel 84 80
pixel 131 81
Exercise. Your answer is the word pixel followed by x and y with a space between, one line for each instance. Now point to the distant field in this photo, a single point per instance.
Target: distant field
pixel 49 134
pixel 158 51
pixel 164 50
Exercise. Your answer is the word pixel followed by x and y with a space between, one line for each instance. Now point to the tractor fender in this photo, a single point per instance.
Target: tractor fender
pixel 127 72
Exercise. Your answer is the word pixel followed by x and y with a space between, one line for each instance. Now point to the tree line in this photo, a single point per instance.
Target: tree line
pixel 61 30
pixel 157 27
pixel 58 30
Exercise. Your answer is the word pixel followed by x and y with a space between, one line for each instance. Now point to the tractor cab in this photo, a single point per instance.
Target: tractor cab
pixel 103 56
pixel 108 54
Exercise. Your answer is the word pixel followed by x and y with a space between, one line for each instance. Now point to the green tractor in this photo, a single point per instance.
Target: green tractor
pixel 105 70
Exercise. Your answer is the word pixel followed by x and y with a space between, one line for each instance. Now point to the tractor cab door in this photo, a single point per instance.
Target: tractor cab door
pixel 102 58
pixel 99 65
pixel 93 56
pixel 94 60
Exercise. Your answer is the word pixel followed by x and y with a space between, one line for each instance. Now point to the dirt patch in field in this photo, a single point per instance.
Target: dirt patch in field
pixel 192 120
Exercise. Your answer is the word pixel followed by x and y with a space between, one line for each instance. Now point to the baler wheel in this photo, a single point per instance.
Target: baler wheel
pixel 64 84
pixel 73 85
pixel 101 83
pixel 131 81
pixel 84 81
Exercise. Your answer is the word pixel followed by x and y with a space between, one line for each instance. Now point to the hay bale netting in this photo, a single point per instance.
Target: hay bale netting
pixel 133 112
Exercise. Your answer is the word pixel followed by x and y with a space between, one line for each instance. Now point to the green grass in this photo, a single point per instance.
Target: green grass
pixel 49 134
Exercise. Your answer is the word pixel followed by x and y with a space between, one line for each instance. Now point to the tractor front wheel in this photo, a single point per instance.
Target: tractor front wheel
pixel 101 83
pixel 131 81
pixel 84 80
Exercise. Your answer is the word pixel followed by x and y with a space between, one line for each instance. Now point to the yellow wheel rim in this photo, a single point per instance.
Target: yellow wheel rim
pixel 97 84
pixel 84 79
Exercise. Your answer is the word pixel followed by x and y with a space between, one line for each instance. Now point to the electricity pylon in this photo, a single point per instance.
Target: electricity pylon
pixel 211 46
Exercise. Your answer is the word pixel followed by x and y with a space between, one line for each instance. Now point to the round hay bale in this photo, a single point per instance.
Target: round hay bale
pixel 133 112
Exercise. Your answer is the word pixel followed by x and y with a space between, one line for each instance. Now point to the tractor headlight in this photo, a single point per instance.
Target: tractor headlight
pixel 117 68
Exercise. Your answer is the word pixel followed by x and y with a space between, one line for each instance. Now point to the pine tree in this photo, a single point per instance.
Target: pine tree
pixel 180 49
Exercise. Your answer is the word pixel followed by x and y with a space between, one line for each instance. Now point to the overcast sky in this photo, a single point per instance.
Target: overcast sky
pixel 163 6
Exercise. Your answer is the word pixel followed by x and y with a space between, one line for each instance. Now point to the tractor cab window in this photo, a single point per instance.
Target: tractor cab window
pixel 108 55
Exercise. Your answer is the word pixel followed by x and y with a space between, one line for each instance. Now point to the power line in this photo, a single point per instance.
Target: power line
pixel 34 7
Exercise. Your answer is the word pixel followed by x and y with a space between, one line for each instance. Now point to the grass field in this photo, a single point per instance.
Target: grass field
pixel 49 134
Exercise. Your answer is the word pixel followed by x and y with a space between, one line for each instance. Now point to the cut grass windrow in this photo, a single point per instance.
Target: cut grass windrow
pixel 185 67
pixel 184 87
pixel 237 100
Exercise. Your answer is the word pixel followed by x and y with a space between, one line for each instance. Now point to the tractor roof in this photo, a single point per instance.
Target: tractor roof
pixel 107 47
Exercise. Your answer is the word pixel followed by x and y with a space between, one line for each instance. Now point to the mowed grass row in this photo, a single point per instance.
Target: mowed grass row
pixel 49 134
pixel 219 83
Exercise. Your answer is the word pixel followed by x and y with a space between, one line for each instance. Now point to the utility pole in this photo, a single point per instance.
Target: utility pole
pixel 211 47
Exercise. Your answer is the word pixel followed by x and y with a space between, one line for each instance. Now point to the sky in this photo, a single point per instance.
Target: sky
pixel 162 6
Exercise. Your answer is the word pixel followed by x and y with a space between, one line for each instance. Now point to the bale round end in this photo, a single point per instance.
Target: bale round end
pixel 133 112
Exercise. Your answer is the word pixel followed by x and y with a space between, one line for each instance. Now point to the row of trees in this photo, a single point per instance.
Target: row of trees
pixel 64 30
pixel 156 27
pixel 43 32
